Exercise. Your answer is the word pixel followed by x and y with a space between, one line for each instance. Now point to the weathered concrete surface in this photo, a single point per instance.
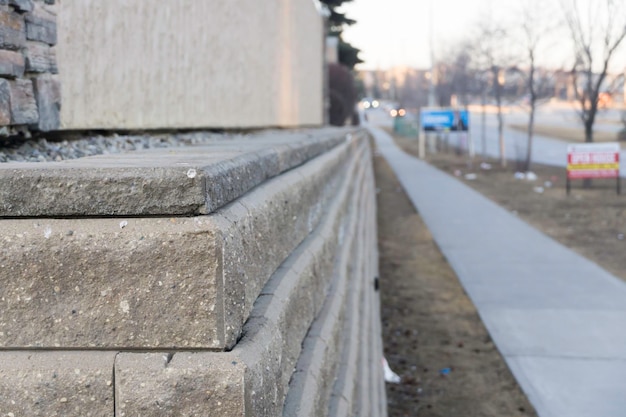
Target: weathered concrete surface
pixel 285 315
pixel 69 384
pixel 341 401
pixel 295 202
pixel 190 64
pixel 339 372
pixel 110 283
pixel 369 398
pixel 175 181
pixel 259 309
pixel 185 384
pixel 259 368
pixel 157 282
pixel 311 385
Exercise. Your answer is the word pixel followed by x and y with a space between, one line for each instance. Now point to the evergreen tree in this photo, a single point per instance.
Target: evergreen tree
pixel 348 54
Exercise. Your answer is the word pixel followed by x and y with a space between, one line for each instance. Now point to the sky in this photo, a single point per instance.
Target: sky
pixel 396 32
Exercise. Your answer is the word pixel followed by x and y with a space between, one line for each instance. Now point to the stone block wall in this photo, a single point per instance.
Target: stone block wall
pixel 231 279
pixel 29 87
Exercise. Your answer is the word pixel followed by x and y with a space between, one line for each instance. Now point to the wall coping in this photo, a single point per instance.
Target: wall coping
pixel 163 182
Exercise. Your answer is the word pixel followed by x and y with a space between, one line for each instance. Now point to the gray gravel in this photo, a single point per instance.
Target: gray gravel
pixel 41 150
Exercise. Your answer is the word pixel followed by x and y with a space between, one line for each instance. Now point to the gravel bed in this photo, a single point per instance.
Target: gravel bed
pixel 42 150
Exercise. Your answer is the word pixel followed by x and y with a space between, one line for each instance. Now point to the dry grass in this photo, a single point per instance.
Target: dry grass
pixel 565 133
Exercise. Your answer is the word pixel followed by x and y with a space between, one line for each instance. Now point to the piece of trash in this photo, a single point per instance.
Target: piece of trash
pixel 547 184
pixel 519 175
pixel 470 177
pixel 123 224
pixel 457 173
pixel 445 371
pixel 192 173
pixel 531 176
pixel 485 166
pixel 538 190
pixel 390 376
pixel 620 236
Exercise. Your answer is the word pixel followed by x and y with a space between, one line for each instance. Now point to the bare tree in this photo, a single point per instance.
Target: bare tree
pixel 597 33
pixel 462 75
pixel 535 28
pixel 454 74
pixel 493 59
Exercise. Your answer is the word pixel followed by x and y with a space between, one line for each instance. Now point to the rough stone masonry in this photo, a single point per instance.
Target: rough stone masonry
pixel 30 97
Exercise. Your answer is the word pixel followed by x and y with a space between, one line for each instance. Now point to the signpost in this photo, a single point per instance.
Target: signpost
pixel 441 119
pixel 593 160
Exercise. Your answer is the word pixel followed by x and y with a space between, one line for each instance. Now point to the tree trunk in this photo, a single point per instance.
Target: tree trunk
pixel 501 133
pixel 483 126
pixel 588 139
pixel 531 131
pixel 588 131
pixel 498 93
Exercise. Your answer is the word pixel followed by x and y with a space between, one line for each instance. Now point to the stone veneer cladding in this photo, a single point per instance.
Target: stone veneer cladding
pixel 30 98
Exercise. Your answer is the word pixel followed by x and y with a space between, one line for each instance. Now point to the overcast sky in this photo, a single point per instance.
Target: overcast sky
pixel 396 32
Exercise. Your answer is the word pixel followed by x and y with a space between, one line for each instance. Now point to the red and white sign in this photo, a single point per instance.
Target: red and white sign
pixel 593 160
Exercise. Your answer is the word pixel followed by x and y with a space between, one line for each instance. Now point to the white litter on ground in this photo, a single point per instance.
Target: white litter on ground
pixel 390 376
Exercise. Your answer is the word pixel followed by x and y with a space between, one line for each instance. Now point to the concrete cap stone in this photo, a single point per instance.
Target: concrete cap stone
pixel 162 182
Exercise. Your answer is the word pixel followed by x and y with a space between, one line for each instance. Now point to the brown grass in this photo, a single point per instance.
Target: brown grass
pixel 565 133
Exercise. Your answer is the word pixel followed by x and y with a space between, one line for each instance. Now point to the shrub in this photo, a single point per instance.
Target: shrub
pixel 342 94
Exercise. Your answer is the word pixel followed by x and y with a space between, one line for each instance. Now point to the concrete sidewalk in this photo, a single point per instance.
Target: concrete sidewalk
pixel 558 319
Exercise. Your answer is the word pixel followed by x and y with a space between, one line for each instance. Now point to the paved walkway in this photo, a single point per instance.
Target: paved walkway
pixel 558 319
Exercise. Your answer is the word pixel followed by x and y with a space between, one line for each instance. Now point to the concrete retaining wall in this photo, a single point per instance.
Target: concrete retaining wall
pixel 171 64
pixel 140 64
pixel 257 302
